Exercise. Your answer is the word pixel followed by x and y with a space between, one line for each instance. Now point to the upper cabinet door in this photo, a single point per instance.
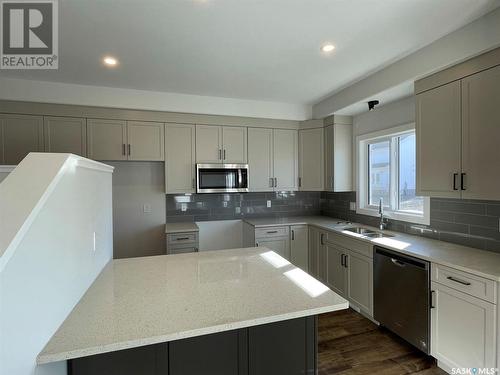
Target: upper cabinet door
pixel 65 134
pixel 208 144
pixel 260 159
pixel 107 139
pixel 285 159
pixel 180 158
pixel 329 158
pixel 19 135
pixel 145 141
pixel 438 129
pixel 481 134
pixel 234 142
pixel 311 159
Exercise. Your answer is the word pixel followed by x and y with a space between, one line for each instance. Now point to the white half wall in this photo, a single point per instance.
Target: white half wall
pixel 64 93
pixel 67 244
pixel 220 234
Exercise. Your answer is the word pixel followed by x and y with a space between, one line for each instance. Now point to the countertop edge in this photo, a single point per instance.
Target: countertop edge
pixel 73 354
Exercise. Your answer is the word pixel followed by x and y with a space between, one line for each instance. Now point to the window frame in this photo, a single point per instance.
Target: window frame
pixel 362 173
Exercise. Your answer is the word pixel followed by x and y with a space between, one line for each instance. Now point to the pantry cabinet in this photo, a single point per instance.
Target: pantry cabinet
pixel 311 159
pixel 65 134
pixel 221 144
pixel 180 158
pixel 457 132
pixel 19 135
pixel 272 159
pixel 125 140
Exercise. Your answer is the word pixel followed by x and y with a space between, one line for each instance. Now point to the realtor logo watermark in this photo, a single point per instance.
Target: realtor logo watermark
pixel 29 34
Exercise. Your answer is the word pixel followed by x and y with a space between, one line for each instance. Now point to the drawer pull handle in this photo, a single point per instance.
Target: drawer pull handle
pixel 458 281
pixel 182 238
pixel 272 231
pixel 398 262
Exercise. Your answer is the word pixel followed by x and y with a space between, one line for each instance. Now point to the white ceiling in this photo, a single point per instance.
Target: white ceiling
pixel 249 49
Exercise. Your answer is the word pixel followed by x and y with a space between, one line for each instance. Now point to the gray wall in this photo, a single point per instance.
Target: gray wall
pixel 137 233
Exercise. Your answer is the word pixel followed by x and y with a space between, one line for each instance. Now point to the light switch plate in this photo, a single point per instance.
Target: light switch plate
pixel 268 204
pixel 352 206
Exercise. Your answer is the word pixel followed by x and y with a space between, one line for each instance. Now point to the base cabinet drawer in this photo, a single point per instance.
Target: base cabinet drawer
pixel 465 282
pixel 463 329
pixel 272 232
pixel 182 238
pixel 182 249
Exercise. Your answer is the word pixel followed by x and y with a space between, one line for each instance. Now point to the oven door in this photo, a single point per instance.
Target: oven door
pixel 221 178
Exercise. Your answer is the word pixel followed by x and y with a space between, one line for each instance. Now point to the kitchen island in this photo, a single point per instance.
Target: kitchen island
pixel 240 311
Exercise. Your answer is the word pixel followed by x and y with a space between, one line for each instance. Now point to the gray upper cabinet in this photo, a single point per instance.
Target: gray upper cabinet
pixel 311 159
pixel 19 135
pixel 145 141
pixel 125 140
pixel 208 144
pixel 481 135
pixel 180 158
pixel 285 152
pixel 221 144
pixel 234 144
pixel 260 159
pixel 338 157
pixel 107 139
pixel 438 131
pixel 65 134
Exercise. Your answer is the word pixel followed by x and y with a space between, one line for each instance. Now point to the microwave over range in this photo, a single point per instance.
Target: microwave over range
pixel 221 178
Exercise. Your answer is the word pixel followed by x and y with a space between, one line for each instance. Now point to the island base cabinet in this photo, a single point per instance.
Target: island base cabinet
pixel 462 330
pixel 283 348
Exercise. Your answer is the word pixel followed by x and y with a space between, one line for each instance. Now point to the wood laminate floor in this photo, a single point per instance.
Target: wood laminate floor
pixel 351 344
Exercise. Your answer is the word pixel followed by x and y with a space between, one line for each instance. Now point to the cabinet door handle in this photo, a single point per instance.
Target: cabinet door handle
pixel 293 235
pixel 432 304
pixel 342 259
pixel 300 181
pixel 123 148
pixel 272 231
pixel 193 184
pixel 346 257
pixel 129 148
pixel 462 183
pixel 466 283
pixel 257 244
pixel 224 157
pixel 271 182
pixel 182 238
pixel 275 182
pixel 455 175
pixel 321 238
pixel 220 154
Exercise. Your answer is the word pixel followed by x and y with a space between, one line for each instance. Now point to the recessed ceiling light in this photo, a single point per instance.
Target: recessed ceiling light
pixel 110 61
pixel 327 47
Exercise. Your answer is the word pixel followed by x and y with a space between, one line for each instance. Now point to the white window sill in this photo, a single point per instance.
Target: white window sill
pixel 394 215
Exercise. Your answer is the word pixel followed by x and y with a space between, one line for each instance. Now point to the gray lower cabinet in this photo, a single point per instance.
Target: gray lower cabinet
pixel 299 245
pixel 318 257
pixel 337 272
pixel 19 135
pixel 274 238
pixel 283 348
pixel 179 243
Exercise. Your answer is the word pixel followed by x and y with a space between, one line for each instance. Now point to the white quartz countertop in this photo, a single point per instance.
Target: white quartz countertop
pixel 479 262
pixel 142 301
pixel 171 228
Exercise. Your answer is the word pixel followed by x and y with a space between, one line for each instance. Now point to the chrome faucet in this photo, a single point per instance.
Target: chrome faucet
pixel 383 221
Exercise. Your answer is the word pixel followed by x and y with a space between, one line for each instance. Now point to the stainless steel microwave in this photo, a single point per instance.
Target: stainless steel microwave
pixel 221 178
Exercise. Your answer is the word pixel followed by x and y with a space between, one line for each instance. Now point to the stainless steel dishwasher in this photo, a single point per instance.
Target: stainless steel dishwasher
pixel 401 295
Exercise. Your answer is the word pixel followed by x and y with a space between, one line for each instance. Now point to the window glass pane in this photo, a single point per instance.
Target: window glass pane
pixel 379 172
pixel 407 172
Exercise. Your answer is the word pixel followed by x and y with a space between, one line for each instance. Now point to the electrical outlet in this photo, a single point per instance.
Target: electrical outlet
pixel 352 206
pixel 237 210
pixel 224 203
pixel 146 208
pixel 184 207
pixel 268 204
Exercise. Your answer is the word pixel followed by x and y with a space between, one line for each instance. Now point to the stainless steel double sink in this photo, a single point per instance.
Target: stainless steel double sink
pixel 368 232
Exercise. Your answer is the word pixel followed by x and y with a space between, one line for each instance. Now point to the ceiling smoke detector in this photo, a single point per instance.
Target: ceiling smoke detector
pixel 372 104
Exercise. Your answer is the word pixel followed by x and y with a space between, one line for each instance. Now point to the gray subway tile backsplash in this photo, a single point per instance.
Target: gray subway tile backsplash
pixel 466 222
